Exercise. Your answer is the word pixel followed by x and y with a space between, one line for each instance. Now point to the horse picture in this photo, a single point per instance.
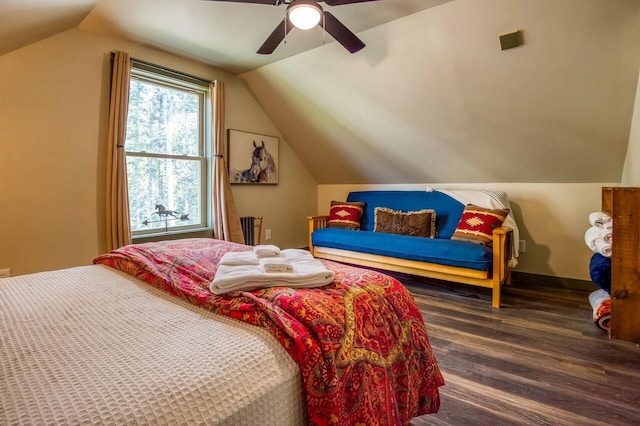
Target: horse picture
pixel 257 165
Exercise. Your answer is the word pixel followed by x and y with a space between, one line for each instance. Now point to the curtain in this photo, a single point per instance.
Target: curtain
pixel 118 225
pixel 226 222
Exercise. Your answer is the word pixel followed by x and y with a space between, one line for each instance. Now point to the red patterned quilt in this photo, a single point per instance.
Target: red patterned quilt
pixel 360 342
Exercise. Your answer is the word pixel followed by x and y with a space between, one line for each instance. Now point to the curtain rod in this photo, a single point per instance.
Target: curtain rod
pixel 167 70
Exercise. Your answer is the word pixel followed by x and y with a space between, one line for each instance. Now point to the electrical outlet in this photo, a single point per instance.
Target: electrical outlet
pixel 5 273
pixel 267 234
pixel 522 246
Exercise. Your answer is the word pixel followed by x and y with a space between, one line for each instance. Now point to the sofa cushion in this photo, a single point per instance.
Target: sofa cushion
pixel 345 215
pixel 419 223
pixel 448 210
pixel 440 251
pixel 476 224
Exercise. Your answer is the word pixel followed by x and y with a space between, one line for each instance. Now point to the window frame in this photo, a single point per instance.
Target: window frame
pixel 161 77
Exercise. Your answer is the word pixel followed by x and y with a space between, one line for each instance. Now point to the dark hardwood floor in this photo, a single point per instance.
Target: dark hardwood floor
pixel 538 360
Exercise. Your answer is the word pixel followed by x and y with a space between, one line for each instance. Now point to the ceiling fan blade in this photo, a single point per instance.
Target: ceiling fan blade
pixel 341 2
pixel 276 37
pixel 342 34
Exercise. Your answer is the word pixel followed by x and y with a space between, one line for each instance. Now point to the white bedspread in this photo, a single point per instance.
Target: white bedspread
pixel 91 345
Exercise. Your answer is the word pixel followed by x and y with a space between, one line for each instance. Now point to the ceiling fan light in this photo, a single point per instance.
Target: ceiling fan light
pixel 304 14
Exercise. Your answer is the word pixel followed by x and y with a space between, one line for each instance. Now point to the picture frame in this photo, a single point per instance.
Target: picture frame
pixel 252 158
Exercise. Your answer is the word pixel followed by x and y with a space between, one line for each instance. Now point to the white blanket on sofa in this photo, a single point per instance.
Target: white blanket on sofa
pixel 490 200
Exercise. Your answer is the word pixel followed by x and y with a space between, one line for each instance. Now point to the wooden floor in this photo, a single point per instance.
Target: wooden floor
pixel 538 360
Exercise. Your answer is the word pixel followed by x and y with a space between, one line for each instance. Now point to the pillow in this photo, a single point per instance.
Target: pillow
pixel 477 224
pixel 420 223
pixel 345 215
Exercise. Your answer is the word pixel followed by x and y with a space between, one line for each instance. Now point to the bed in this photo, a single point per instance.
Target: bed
pixel 138 338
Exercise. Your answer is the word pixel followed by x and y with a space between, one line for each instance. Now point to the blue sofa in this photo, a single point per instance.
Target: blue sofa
pixel 439 257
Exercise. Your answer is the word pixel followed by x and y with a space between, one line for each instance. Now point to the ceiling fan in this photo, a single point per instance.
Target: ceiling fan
pixel 306 14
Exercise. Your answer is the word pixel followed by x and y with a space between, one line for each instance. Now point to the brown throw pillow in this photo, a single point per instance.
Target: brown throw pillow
pixel 477 224
pixel 345 215
pixel 420 223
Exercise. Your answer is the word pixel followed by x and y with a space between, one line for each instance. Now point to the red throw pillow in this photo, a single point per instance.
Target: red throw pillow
pixel 477 224
pixel 345 215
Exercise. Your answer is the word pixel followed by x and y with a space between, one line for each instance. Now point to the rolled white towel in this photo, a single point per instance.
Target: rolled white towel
pixel 234 258
pixel 594 234
pixel 603 248
pixel 275 265
pixel 603 234
pixel 596 298
pixel 600 220
pixel 266 250
pixel 600 302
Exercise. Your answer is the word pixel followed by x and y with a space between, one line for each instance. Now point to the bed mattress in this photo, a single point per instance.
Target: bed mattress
pixel 94 345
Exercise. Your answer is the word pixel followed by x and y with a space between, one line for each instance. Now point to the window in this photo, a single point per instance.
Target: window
pixel 167 163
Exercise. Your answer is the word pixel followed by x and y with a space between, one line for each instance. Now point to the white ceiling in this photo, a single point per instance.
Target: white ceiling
pixel 224 34
pixel 23 22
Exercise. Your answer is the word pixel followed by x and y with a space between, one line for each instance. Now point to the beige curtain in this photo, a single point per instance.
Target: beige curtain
pixel 118 225
pixel 226 222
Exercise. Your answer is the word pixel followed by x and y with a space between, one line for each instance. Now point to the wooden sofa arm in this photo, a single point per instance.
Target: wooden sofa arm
pixel 502 246
pixel 316 222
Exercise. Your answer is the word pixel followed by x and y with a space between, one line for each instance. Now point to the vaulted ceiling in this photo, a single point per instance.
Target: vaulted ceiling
pixel 432 98
pixel 225 34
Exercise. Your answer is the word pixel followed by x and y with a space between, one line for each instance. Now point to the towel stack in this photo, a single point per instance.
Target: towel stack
pixel 268 266
pixel 599 236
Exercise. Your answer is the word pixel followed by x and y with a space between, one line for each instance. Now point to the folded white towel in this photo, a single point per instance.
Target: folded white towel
pixel 293 255
pixel 233 258
pixel 275 264
pixel 266 250
pixel 595 235
pixel 305 274
pixel 600 220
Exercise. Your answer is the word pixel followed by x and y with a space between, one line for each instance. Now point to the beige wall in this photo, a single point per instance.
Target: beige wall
pixel 53 126
pixel 631 171
pixel 552 219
